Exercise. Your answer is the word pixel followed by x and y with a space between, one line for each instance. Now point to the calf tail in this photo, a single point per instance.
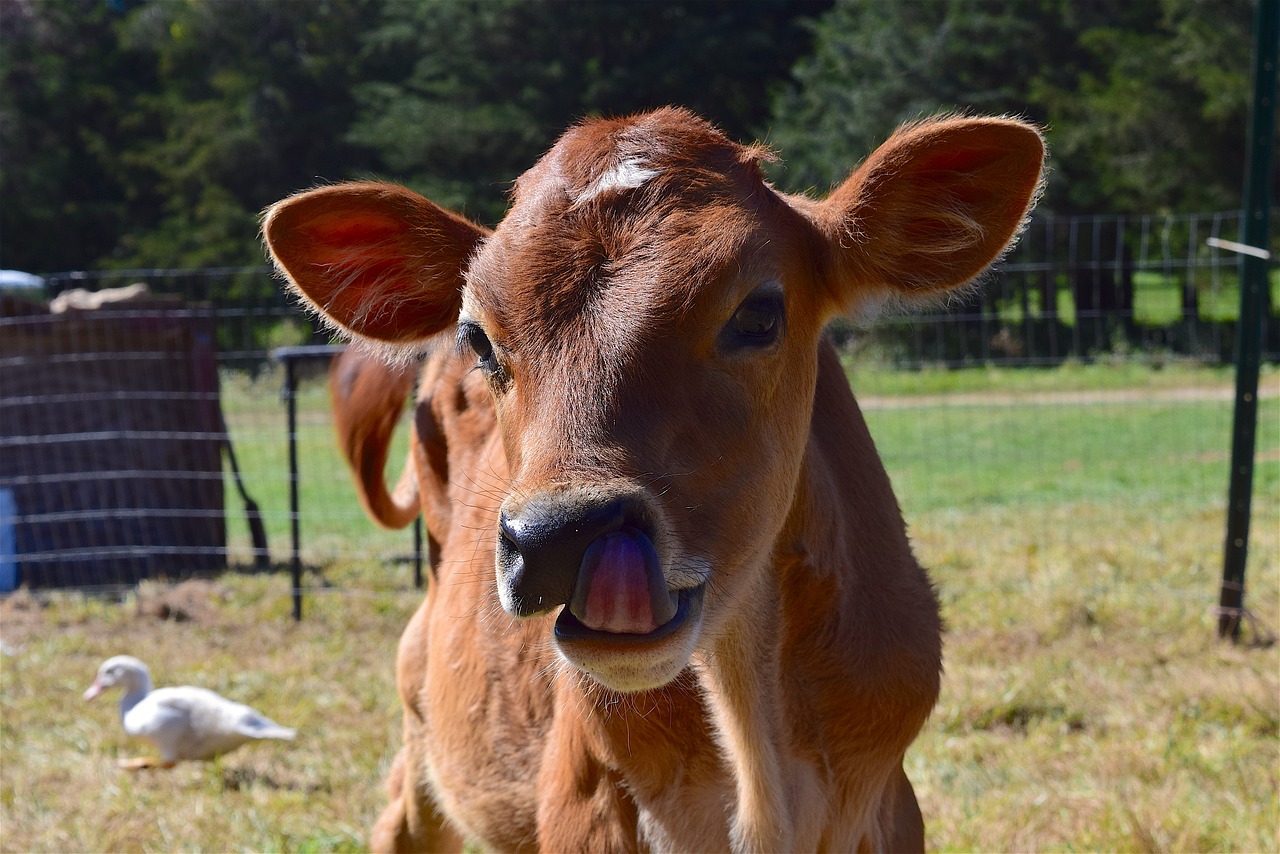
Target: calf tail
pixel 368 398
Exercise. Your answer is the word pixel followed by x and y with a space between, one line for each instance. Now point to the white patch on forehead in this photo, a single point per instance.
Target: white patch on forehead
pixel 627 175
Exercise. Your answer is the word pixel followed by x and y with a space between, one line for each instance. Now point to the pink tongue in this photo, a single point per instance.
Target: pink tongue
pixel 621 586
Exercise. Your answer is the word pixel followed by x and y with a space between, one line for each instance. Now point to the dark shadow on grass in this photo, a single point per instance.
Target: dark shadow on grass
pixel 241 779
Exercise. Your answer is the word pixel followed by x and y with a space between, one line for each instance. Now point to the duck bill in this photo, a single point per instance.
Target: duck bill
pixel 94 690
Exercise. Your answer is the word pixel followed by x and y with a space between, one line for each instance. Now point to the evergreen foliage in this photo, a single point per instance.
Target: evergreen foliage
pixel 144 133
pixel 1145 102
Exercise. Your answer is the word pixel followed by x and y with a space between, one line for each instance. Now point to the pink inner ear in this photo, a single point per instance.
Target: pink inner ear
pixel 377 260
pixel 362 275
pixel 938 202
pixel 959 160
pixel 348 231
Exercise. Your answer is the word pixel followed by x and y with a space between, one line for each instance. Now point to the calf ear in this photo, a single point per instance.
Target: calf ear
pixel 931 208
pixel 376 260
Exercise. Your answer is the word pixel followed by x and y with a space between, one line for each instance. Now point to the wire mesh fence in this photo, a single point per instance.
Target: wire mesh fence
pixel 1091 370
pixel 1082 287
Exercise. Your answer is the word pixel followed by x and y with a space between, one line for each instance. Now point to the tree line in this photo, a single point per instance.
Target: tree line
pixel 144 133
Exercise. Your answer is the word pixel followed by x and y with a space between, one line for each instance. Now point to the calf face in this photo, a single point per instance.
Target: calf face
pixel 647 321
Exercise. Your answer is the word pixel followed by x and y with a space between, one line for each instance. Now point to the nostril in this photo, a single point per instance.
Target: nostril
pixel 504 531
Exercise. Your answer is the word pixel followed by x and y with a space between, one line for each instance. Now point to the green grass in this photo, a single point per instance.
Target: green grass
pixel 1074 535
pixel 330 517
pixel 331 676
pixel 1105 375
pixel 1137 452
pixel 1157 298
pixel 1087 704
pixel 1077 433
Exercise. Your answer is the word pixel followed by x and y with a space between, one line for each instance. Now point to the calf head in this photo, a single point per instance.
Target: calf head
pixel 647 318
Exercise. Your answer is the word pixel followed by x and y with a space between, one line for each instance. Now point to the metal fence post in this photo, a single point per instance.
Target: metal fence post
pixel 291 408
pixel 1253 280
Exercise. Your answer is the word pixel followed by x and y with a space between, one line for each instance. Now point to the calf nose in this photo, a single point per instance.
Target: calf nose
pixel 541 546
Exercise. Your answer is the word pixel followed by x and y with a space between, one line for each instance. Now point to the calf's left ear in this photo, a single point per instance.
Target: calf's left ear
pixel 931 208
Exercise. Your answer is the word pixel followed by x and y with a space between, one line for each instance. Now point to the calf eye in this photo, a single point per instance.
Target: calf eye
pixel 757 323
pixel 473 336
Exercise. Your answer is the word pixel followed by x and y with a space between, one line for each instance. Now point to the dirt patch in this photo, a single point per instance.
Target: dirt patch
pixel 21 617
pixel 20 609
pixel 195 600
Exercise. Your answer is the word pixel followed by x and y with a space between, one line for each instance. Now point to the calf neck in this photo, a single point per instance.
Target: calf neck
pixel 672 601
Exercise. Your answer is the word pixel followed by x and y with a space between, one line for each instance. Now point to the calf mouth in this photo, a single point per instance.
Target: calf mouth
pixel 620 621
pixel 629 662
pixel 569 629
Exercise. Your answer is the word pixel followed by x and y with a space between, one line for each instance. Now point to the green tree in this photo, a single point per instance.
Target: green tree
pixel 1144 101
pixel 152 133
pixel 254 98
pixel 468 94
pixel 1156 119
pixel 66 95
pixel 145 133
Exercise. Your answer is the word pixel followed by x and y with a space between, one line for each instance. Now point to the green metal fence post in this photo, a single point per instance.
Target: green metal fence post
pixel 1253 281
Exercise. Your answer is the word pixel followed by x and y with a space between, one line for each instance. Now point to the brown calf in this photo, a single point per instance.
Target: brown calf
pixel 673 606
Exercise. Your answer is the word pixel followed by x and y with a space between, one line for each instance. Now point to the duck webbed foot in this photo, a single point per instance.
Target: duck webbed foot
pixel 143 762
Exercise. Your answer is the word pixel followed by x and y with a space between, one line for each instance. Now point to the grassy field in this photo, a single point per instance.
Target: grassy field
pixel 330 676
pixel 331 520
pixel 1072 520
pixel 1157 298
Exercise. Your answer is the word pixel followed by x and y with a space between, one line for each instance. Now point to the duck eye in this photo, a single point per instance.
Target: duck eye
pixel 757 323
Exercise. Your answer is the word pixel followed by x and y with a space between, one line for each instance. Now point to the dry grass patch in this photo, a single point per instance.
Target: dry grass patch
pixel 1088 704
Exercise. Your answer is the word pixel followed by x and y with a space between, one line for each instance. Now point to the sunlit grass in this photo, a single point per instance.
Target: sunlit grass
pixel 1076 548
pixel 1158 299
pixel 1088 704
pixel 331 522
pixel 331 676
pixel 1128 373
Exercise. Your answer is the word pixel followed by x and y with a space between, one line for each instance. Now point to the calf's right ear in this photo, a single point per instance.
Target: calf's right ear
pixel 931 208
pixel 376 260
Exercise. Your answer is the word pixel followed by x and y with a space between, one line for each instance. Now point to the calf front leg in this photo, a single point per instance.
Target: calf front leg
pixel 902 826
pixel 582 805
pixel 411 821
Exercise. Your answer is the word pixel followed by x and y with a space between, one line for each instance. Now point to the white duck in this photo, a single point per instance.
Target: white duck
pixel 185 722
